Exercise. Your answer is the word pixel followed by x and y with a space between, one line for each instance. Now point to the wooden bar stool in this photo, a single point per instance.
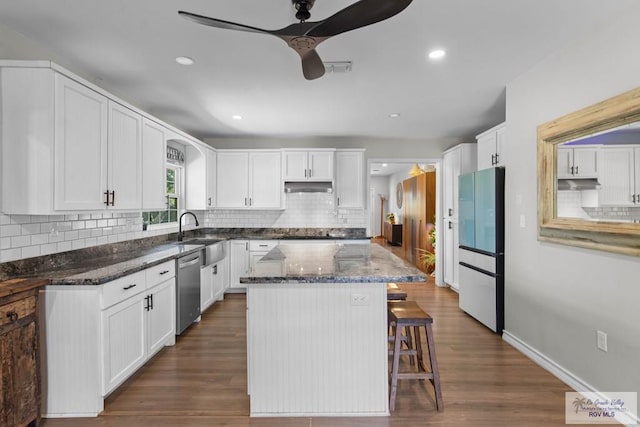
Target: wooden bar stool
pixel 395 293
pixel 407 314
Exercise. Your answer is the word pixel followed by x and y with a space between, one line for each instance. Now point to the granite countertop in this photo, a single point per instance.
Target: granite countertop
pixel 332 263
pixel 107 268
pixel 101 264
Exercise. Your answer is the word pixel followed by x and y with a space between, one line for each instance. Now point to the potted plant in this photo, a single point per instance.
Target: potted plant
pixel 428 258
pixel 391 218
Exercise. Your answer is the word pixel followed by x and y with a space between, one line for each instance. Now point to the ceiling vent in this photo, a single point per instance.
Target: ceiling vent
pixel 337 67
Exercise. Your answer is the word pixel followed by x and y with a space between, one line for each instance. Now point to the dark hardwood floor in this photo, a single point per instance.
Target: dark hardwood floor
pixel 201 381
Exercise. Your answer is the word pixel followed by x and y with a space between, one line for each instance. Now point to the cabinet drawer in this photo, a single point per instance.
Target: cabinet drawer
pixel 262 245
pixel 123 288
pixel 160 273
pixel 17 310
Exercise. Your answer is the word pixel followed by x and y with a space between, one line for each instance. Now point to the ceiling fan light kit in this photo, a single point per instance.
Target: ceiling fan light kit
pixel 304 36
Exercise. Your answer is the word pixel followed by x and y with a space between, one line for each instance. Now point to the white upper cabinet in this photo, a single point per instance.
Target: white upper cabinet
pixel 200 172
pixel 233 179
pixel 153 169
pixel 265 189
pixel 491 147
pixel 307 165
pixel 124 163
pixel 81 155
pixel 249 179
pixel 350 178
pixel 619 176
pixel 69 146
pixel 577 162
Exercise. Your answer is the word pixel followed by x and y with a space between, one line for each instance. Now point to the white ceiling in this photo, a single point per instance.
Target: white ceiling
pixel 130 46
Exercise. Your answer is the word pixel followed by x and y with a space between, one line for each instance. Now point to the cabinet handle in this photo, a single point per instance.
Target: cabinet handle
pixel 215 269
pixel 450 211
pixel 151 301
pixel 493 159
pixel 310 173
pixel 250 201
pixel 305 172
pixel 106 197
pixel 263 246
pixel 126 288
pixel 577 169
pixel 572 170
pixel 497 157
pixel 450 225
pixel 633 198
pixel 209 201
pixel 245 201
pixel 338 201
pixel 146 303
pixel 13 316
pixel 162 273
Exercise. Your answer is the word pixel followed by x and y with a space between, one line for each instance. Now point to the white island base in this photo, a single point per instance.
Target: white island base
pixel 317 349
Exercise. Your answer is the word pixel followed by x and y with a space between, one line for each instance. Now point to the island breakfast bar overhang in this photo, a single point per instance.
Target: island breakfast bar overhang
pixel 317 329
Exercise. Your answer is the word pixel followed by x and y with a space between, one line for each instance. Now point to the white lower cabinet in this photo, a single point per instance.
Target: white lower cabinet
pixel 136 329
pixel 95 337
pixel 239 263
pixel 212 284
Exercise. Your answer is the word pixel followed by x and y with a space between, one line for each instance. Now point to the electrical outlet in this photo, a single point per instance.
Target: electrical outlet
pixel 359 299
pixel 522 222
pixel 602 340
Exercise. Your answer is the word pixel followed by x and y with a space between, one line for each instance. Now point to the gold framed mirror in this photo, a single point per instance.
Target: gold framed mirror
pixel 608 213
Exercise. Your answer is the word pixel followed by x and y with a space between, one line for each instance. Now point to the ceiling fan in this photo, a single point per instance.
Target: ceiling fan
pixel 303 37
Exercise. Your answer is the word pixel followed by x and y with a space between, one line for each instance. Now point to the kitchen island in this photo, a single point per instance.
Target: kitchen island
pixel 317 329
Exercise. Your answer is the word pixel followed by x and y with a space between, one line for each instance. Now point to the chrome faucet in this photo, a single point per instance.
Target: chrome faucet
pixel 180 232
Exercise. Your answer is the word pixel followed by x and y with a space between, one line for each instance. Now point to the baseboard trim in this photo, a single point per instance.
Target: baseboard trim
pixel 546 363
pixel 552 367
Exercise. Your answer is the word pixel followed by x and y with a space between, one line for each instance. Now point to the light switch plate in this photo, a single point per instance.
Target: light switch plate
pixel 602 340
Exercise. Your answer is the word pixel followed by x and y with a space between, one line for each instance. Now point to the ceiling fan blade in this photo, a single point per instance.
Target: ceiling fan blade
pixel 357 15
pixel 219 23
pixel 312 66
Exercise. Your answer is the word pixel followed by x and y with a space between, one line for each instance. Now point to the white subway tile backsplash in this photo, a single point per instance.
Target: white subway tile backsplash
pixel 31 251
pixel 24 236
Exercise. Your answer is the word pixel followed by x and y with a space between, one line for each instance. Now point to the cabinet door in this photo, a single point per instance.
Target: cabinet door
pixel 124 162
pixel 265 182
pixel 124 341
pixel 585 162
pixel 500 147
pixel 19 375
pixel 80 153
pixel 233 179
pixel 486 151
pixel 153 166
pixel 211 178
pixel 218 277
pixel 320 165
pixel 206 287
pixel 350 179
pixel 239 262
pixel 451 253
pixel 616 176
pixel 161 316
pixel 564 158
pixel 294 165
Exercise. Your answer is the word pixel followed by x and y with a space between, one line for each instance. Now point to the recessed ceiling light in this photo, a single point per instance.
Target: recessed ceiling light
pixel 184 60
pixel 384 165
pixel 236 117
pixel 437 54
pixel 394 115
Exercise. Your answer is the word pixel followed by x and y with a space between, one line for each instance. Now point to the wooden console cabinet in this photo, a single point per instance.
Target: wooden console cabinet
pixel 19 353
pixel 393 233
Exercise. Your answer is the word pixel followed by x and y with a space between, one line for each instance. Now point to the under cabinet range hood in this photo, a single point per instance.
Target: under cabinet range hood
pixel 308 187
pixel 578 184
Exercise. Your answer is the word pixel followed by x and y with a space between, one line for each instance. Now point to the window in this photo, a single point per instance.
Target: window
pixel 169 215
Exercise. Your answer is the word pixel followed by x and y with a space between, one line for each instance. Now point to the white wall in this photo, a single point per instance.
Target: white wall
pixel 558 296
pixel 379 185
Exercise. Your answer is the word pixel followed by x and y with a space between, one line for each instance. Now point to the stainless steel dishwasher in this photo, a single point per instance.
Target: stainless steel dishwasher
pixel 187 291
